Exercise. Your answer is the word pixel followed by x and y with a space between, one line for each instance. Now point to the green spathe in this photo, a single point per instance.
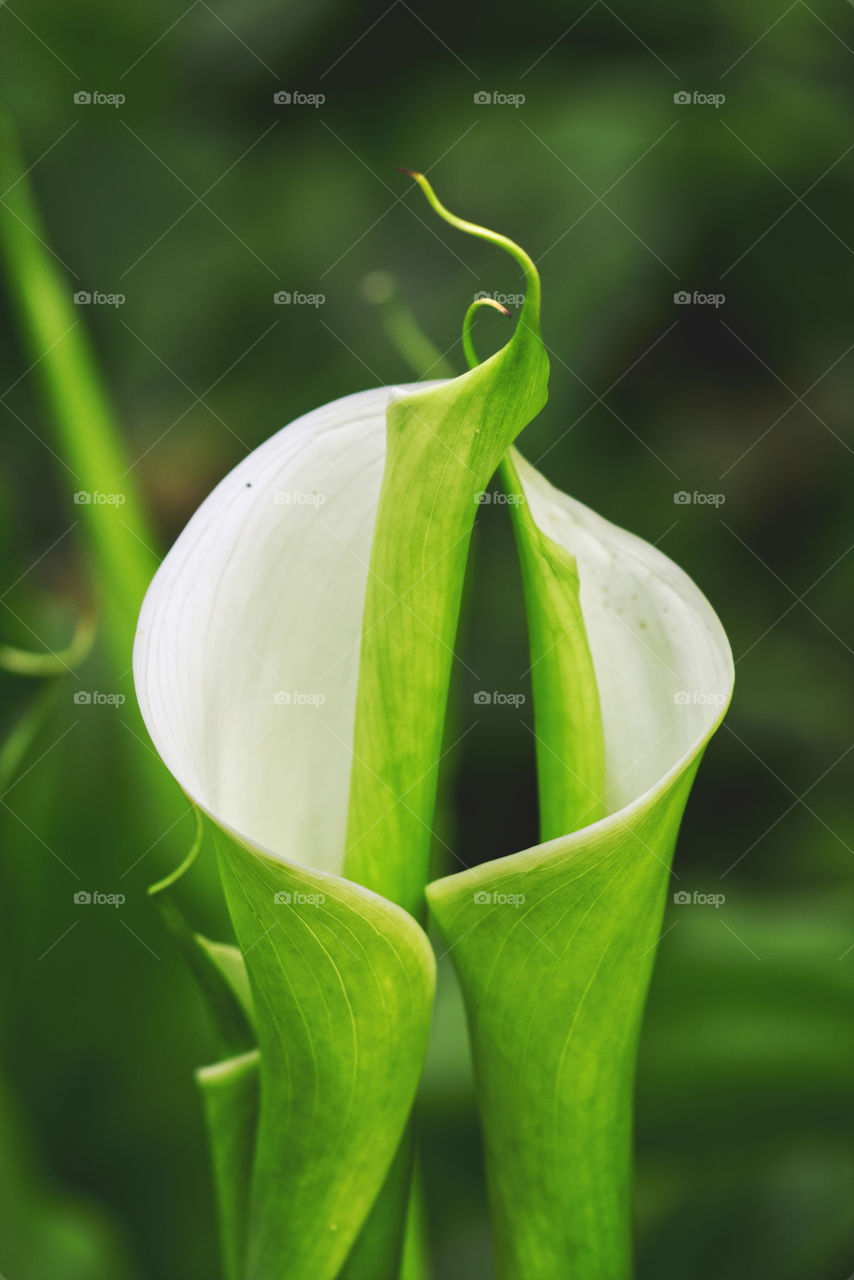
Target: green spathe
pixel 444 444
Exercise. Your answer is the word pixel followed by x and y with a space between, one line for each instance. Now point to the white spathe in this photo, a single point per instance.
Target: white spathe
pixel 247 651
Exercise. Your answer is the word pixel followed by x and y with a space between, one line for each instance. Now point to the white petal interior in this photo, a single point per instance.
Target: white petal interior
pixel 247 651
pixel 662 660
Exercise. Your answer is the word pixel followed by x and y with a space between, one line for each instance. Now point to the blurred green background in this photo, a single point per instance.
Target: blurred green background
pixel 198 199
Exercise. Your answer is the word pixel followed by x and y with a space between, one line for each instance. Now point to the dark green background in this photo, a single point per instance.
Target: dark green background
pixel 198 199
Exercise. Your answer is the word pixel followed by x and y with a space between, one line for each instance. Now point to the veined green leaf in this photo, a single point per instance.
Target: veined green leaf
pixel 554 946
pixel 379 1249
pixel 342 991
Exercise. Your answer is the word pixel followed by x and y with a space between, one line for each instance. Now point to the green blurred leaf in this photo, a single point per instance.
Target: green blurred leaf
pixel 92 464
pixel 46 1230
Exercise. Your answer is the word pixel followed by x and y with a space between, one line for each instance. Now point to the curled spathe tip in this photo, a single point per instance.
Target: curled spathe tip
pixel 468 320
pixel 531 310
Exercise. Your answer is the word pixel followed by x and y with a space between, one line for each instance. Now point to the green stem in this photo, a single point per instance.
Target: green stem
pixel 379 288
pixel 23 662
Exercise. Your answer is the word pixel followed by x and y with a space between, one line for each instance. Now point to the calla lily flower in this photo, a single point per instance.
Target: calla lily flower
pixel 246 666
pixel 292 664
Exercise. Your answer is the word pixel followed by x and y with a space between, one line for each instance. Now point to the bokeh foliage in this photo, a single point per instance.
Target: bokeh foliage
pixel 623 197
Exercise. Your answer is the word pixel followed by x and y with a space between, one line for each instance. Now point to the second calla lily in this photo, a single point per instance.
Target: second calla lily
pixel 292 663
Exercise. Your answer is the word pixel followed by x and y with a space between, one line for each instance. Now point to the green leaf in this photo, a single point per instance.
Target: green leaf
pixel 231 1096
pixel 342 984
pixel 379 1249
pixel 415 1264
pixel 554 946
